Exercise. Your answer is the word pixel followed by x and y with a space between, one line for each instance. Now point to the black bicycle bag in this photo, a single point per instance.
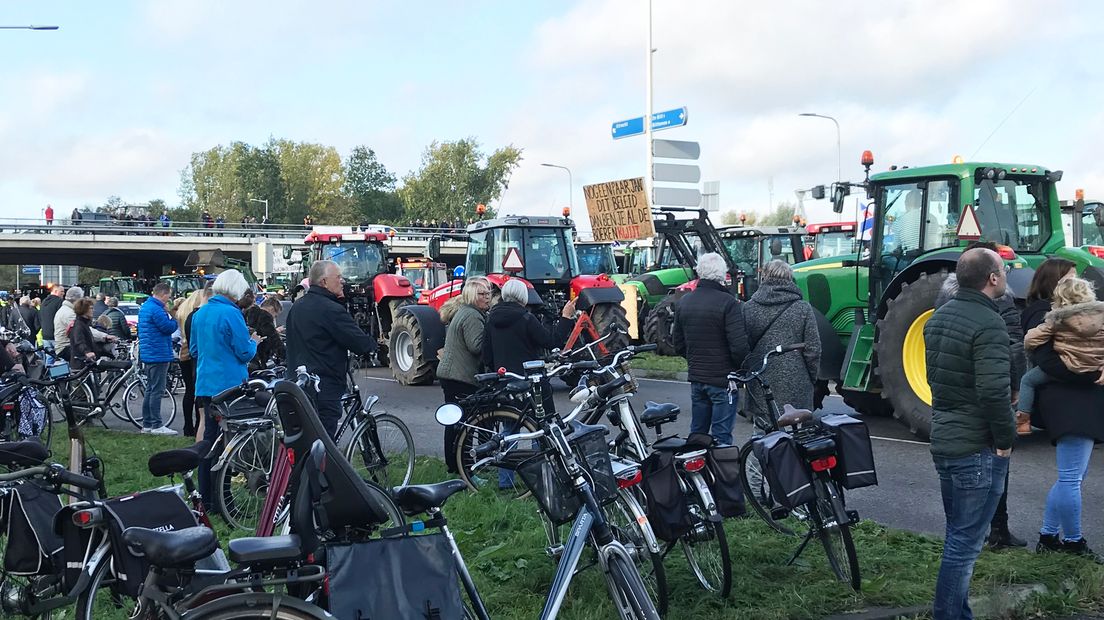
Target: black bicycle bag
pixel 411 577
pixel 724 464
pixel 854 452
pixel 33 548
pixel 788 476
pixel 667 509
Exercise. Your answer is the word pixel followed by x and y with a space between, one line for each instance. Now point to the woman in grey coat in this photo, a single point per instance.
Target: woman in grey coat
pixel 777 315
pixel 461 356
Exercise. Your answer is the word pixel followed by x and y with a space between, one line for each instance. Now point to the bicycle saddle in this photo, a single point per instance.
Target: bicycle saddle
pixel 793 417
pixel 659 413
pixel 418 498
pixel 227 395
pixel 258 550
pixel 28 452
pixel 178 461
pixel 176 548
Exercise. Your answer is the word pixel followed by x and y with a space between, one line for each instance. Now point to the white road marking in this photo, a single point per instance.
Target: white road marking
pixel 919 443
pixel 662 380
pixel 382 379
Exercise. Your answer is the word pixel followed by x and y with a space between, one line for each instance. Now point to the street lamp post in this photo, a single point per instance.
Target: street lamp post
pixel 265 201
pixel 839 175
pixel 570 184
pixel 28 27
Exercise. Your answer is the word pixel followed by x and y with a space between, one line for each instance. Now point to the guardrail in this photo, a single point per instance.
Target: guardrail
pixel 201 229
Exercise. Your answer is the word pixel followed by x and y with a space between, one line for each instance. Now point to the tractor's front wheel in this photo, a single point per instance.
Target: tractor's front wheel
pixel 611 316
pixel 409 365
pixel 386 326
pixel 900 349
pixel 659 325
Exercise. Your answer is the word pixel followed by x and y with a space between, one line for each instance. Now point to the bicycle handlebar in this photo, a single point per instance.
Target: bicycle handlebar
pixel 746 376
pixel 54 473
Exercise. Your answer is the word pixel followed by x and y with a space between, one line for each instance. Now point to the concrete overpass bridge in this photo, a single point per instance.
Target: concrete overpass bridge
pixel 153 249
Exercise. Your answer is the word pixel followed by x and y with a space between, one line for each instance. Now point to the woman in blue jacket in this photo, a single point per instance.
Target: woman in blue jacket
pixel 222 347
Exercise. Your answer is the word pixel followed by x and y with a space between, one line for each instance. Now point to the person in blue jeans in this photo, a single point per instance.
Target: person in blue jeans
pixel 155 351
pixel 709 332
pixel 973 426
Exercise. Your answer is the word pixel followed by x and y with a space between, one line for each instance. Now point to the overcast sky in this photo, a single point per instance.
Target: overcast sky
pixel 117 99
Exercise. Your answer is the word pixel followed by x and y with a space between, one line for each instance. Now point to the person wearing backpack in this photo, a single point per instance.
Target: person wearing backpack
pixel 777 315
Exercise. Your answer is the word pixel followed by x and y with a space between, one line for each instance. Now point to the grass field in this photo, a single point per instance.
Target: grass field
pixel 659 363
pixel 503 543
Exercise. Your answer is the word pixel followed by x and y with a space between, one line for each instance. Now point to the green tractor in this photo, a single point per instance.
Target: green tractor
pixel 872 307
pixel 124 288
pixel 752 247
pixel 183 285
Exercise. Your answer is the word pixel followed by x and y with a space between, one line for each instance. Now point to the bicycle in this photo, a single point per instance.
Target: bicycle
pixel 705 544
pixel 571 476
pixel 380 446
pixel 121 376
pixel 826 516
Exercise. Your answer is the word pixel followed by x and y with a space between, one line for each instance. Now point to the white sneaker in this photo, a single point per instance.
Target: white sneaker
pixel 164 430
pixel 146 431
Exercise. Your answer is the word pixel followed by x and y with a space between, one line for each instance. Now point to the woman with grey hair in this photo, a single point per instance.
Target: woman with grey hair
pixel 777 315
pixel 461 357
pixel 514 335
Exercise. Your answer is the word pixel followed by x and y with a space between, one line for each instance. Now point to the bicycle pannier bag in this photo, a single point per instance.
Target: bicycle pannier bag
pixel 33 546
pixel 667 509
pixel 410 577
pixel 724 464
pixel 790 482
pixel 156 510
pixel 854 453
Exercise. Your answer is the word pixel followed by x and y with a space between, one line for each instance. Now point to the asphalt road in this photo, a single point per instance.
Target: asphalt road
pixel 907 495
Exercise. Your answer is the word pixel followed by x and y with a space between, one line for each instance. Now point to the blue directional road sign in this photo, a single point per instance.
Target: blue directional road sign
pixel 660 120
pixel 32 269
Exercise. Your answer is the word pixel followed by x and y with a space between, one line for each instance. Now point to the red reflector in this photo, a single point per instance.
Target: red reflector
pixel 624 483
pixel 501 371
pixel 291 456
pixel 1006 252
pixel 326 585
pixel 694 464
pixel 82 517
pixel 8 406
pixel 1097 251
pixel 824 464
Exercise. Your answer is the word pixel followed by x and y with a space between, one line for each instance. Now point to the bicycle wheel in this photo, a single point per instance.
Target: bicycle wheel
pixel 101 600
pixel 757 491
pixel 258 606
pixel 80 395
pixel 382 450
pixel 834 530
pixel 629 593
pixel 133 397
pixel 13 582
pixel 706 545
pixel 477 430
pixel 629 531
pixel 241 485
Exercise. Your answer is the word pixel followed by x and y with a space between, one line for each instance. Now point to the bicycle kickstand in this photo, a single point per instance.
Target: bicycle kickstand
pixel 801 547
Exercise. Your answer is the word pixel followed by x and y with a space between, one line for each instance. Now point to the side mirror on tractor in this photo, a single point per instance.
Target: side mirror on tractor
pixel 433 248
pixel 839 193
pixel 819 192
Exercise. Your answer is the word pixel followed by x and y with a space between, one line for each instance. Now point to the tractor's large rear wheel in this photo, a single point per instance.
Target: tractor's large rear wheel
pixel 611 316
pixel 408 356
pixel 658 326
pixel 900 349
pixel 393 306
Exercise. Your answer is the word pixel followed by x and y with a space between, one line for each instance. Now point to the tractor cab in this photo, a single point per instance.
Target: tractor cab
pixel 596 258
pixel 831 240
pixel 1083 220
pixel 752 247
pixel 123 288
pixel 361 255
pixel 424 274
pixel 538 249
pixel 184 284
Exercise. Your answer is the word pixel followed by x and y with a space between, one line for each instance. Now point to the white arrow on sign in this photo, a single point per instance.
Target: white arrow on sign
pixel 512 262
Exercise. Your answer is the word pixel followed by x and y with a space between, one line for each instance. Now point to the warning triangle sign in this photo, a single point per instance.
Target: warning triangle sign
pixel 512 262
pixel 968 227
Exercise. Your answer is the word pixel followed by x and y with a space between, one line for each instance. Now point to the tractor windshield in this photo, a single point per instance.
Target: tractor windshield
pixel 744 251
pixel 595 258
pixel 836 243
pixel 359 260
pixel 184 286
pixel 1014 212
pixel 125 285
pixel 546 252
pixel 1092 218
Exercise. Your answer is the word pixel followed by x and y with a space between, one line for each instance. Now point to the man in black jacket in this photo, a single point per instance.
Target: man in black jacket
pixel 709 332
pixel 46 313
pixel 320 332
pixel 29 314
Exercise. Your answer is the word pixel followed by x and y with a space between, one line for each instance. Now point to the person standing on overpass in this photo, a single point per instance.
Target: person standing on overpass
pixel 320 332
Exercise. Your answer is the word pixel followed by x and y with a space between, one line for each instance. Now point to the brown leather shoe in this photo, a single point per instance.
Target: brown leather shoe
pixel 1023 423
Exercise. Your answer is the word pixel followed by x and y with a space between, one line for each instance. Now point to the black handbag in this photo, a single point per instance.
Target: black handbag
pixel 667 509
pixel 410 577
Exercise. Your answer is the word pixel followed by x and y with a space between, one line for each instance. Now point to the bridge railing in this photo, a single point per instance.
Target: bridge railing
pixel 203 229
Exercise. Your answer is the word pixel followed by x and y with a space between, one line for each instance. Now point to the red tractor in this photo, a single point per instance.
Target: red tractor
pixel 540 251
pixel 372 293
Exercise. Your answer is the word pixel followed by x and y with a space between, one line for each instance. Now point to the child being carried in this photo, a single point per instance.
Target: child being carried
pixel 1076 325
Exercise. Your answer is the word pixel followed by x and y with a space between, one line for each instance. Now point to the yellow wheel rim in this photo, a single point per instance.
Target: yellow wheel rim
pixel 912 356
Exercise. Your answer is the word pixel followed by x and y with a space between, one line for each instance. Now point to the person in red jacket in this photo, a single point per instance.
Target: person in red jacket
pixel 49 215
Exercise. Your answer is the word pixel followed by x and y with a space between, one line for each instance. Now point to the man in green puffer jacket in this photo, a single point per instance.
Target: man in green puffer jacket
pixel 972 422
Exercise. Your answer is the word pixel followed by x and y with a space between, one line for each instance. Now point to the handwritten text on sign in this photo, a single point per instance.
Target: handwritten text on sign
pixel 619 210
